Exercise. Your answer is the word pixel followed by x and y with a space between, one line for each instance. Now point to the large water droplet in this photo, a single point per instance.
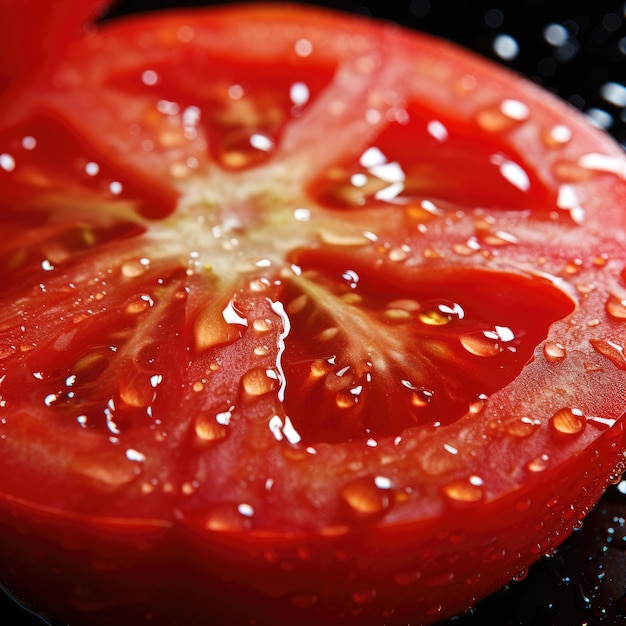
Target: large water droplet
pixel 568 421
pixel 554 352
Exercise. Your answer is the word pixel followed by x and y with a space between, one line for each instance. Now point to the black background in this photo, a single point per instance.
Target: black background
pixel 585 582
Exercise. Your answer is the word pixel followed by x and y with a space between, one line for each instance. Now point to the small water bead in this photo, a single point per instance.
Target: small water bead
pixel 256 382
pixel 135 267
pixel 229 518
pixel 136 391
pixel 369 496
pixel 477 404
pixel 568 421
pixel 554 352
pixel 539 464
pixel 522 427
pixel 616 307
pixel 441 314
pixel 468 248
pixel 465 491
pixel 138 304
pixel 207 429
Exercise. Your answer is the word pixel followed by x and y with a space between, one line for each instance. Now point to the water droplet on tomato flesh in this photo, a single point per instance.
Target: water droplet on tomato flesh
pixel 568 421
pixel 616 307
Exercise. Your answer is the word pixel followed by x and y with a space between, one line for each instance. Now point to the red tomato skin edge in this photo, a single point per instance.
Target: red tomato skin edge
pixel 124 572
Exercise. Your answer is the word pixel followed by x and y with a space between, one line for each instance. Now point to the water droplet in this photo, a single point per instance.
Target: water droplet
pixel 135 390
pixel 441 314
pixel 468 248
pixel 521 427
pixel 463 491
pixel 346 399
pixel 568 421
pixel 397 315
pixel 262 325
pixel 539 464
pixel 135 267
pixel 616 307
pixel 557 136
pixel 611 350
pixel 228 518
pixel 138 304
pixel 554 352
pixel 208 429
pixel 421 397
pixel 406 304
pixel 477 404
pixel 256 382
pixel 368 496
pixel 482 343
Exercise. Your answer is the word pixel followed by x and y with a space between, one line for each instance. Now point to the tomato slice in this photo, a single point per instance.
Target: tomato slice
pixel 303 318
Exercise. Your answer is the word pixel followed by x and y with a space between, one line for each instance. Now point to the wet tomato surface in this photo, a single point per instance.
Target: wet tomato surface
pixel 303 318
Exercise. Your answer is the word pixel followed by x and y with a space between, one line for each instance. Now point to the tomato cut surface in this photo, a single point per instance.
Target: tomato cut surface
pixel 302 310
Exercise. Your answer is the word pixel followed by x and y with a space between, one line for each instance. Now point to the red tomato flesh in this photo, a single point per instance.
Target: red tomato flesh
pixel 303 319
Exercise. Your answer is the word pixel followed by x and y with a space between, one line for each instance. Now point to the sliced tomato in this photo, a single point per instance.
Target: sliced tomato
pixel 304 319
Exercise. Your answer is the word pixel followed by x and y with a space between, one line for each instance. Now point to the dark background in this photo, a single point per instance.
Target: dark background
pixel 573 49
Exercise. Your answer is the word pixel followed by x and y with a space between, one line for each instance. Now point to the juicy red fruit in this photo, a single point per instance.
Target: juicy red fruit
pixel 266 330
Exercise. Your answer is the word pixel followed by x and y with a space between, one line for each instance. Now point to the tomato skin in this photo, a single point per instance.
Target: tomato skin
pixel 414 563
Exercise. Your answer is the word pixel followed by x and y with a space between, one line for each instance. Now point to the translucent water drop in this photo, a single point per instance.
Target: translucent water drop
pixel 262 325
pixel 256 382
pixel 440 315
pixel 135 267
pixel 481 343
pixel 522 427
pixel 227 518
pixel 611 350
pixel 208 429
pixel 464 491
pixel 568 421
pixel 554 352
pixel 136 391
pixel 616 307
pixel 138 304
pixel 539 464
pixel 368 496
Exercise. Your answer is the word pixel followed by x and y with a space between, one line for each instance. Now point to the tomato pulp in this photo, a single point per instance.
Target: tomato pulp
pixel 304 317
